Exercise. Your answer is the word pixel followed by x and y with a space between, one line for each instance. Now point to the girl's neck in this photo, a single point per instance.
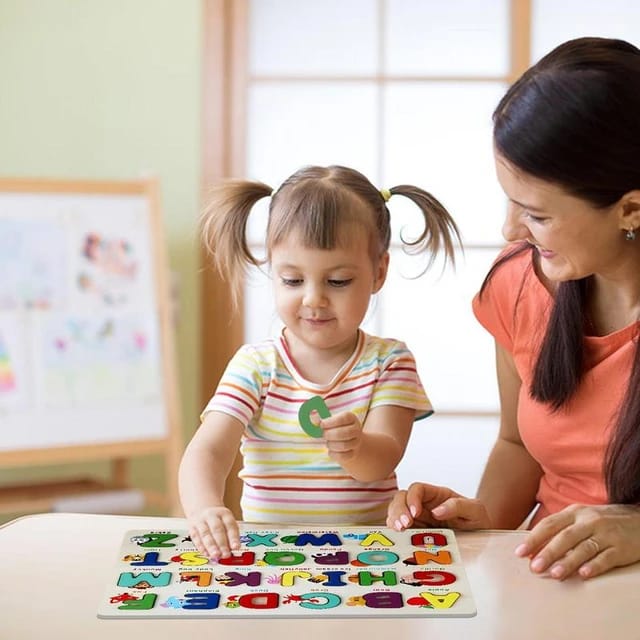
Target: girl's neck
pixel 319 366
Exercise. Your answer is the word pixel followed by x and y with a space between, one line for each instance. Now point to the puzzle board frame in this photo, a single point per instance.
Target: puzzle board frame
pixel 292 572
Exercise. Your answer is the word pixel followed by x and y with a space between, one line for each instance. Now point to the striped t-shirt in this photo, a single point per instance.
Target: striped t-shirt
pixel 288 475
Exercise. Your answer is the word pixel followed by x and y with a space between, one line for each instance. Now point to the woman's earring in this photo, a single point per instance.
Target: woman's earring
pixel 630 234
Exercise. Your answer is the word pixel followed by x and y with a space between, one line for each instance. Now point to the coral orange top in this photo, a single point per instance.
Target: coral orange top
pixel 569 444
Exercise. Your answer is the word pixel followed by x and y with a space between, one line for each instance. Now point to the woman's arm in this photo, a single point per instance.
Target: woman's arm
pixel 511 477
pixel 587 540
pixel 508 486
pixel 202 476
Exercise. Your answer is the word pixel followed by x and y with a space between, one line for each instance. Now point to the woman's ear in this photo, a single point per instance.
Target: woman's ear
pixel 381 272
pixel 630 210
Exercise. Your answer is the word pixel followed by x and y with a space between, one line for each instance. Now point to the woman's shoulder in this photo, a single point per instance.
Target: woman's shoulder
pixel 512 297
pixel 514 264
pixel 513 277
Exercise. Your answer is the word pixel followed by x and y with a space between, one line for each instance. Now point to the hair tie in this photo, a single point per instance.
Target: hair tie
pixel 386 194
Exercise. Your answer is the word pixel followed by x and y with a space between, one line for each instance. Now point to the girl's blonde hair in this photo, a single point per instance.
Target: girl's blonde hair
pixel 317 203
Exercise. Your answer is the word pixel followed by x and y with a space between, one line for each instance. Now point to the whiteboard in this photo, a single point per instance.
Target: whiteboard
pixel 83 316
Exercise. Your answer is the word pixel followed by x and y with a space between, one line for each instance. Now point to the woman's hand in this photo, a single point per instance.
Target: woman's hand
pixel 215 532
pixel 587 540
pixel 427 505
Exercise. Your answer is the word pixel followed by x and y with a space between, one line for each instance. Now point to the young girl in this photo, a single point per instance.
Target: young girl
pixel 327 246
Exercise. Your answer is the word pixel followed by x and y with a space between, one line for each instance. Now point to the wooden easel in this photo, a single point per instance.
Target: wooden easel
pixel 37 446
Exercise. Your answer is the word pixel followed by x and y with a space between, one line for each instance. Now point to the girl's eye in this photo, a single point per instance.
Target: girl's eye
pixel 291 282
pixel 340 283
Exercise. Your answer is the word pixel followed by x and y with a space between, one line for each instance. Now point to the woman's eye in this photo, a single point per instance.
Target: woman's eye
pixel 340 283
pixel 534 218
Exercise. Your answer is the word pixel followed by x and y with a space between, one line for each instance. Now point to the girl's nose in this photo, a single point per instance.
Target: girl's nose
pixel 313 296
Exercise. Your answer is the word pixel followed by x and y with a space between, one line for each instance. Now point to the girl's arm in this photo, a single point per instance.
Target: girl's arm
pixel 371 451
pixel 202 476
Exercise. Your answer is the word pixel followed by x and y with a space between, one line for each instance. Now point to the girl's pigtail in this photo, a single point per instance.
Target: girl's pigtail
pixel 440 230
pixel 224 229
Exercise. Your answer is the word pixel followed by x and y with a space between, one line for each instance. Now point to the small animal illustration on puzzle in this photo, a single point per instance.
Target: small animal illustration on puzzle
pixel 291 572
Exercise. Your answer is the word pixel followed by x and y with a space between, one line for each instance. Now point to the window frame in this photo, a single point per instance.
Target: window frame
pixel 225 82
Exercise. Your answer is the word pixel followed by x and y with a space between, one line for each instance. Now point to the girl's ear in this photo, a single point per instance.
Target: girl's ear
pixel 381 272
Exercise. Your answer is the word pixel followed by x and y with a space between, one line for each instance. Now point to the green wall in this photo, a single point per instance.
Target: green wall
pixel 110 89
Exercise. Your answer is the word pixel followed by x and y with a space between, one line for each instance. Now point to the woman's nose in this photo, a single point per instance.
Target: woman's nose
pixel 513 229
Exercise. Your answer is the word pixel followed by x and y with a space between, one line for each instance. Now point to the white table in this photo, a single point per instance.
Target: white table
pixel 47 595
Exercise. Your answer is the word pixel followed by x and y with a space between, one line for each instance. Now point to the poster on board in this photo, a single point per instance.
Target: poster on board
pixel 81 360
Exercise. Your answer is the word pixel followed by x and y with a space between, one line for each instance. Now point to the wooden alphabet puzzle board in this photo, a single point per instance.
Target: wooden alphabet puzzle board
pixel 291 572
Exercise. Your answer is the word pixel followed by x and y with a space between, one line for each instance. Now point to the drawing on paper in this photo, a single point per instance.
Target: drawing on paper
pixel 32 263
pixel 7 376
pixel 88 358
pixel 109 268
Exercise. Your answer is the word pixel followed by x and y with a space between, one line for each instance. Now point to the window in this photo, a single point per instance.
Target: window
pixel 403 90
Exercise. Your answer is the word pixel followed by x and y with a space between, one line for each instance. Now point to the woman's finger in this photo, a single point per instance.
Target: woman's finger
pixel 585 551
pixel 554 536
pixel 398 515
pixel 425 497
pixel 599 564
pixel 462 513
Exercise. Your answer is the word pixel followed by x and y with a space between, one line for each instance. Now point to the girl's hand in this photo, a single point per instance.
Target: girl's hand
pixel 342 435
pixel 215 532
pixel 587 540
pixel 427 505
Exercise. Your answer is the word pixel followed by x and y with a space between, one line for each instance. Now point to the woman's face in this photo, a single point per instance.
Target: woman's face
pixel 572 238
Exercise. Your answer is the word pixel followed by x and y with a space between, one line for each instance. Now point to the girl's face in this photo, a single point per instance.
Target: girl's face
pixel 572 238
pixel 322 295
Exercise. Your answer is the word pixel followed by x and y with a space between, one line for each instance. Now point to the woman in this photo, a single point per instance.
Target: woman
pixel 563 304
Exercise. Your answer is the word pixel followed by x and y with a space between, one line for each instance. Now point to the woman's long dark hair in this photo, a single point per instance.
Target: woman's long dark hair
pixel 573 119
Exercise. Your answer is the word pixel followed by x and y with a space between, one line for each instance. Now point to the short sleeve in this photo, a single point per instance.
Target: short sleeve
pixel 399 383
pixel 495 306
pixel 239 390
